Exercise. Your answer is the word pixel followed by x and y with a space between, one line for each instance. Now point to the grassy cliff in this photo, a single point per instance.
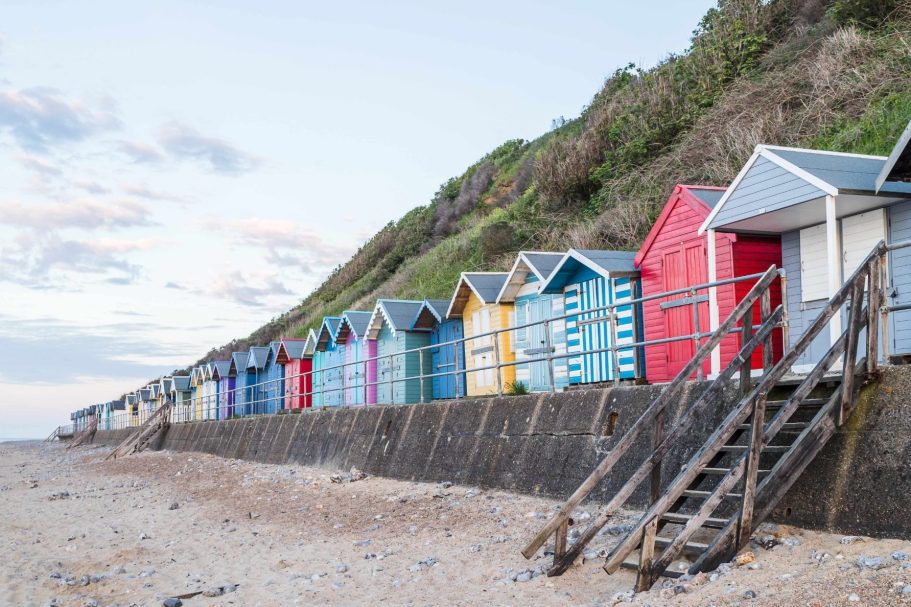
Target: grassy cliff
pixel 830 74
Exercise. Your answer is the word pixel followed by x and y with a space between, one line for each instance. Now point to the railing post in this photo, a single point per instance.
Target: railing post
pixel 455 366
pixel 655 474
pixel 560 540
pixel 746 333
pixel 757 428
pixel 874 302
pixel 615 350
pixel 854 324
pixel 496 358
pixel 550 356
pixel 697 339
pixel 421 371
pixel 765 310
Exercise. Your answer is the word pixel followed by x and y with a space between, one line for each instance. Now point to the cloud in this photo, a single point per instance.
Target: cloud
pixel 185 142
pixel 85 213
pixel 143 191
pixel 175 286
pixel 92 187
pixel 45 260
pixel 40 166
pixel 241 289
pixel 288 243
pixel 100 351
pixel 39 117
pixel 141 153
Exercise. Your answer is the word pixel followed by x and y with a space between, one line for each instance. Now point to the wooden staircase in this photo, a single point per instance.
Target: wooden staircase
pixel 155 426
pixel 86 435
pixel 707 512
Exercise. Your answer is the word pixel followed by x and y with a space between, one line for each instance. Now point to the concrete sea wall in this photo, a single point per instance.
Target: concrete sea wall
pixel 547 444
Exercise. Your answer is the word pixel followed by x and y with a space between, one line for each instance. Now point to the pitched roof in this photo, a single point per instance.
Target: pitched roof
pixel 397 313
pixel 222 369
pixel 325 335
pixel 708 195
pixel 537 263
pixel 898 165
pixel 485 285
pixel 290 349
pixel 256 359
pixel 238 361
pixel 700 199
pixel 823 173
pixel 180 383
pixel 604 263
pixel 166 384
pixel 353 321
pixel 310 344
pixel 431 312
pixel 273 351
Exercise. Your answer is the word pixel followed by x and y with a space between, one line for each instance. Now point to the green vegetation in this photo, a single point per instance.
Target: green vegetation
pixel 832 74
pixel 516 389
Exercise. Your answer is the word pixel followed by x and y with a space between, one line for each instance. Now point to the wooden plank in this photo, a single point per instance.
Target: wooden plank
pixel 752 473
pixel 765 310
pixel 657 439
pixel 645 577
pixel 874 305
pixel 625 442
pixel 855 321
pixel 560 540
pixel 746 331
pixel 707 400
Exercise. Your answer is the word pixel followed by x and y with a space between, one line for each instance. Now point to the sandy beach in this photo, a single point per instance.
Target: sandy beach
pixel 78 531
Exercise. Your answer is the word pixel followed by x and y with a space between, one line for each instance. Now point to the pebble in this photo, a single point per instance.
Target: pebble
pixel 906 590
pixel 342 568
pixel 744 558
pixel 174 506
pixel 362 543
pixel 853 598
pixel 900 556
pixel 144 536
pixel 850 539
pixel 91 603
pixel 211 592
pixel 750 594
pixel 172 602
pixel 871 562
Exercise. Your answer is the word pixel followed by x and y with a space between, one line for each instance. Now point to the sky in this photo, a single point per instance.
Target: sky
pixel 175 174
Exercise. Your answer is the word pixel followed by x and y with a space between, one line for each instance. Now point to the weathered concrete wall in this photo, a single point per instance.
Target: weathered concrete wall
pixel 547 444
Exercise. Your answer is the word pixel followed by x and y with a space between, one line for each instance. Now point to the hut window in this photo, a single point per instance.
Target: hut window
pixel 521 317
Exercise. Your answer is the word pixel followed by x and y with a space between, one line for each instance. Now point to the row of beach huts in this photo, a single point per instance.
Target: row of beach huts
pixel 558 320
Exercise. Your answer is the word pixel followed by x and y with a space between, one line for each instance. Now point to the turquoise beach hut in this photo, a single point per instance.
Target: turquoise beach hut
pixel 398 371
pixel 447 354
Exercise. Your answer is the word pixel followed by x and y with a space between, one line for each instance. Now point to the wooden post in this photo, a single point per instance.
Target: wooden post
pixel 874 302
pixel 560 540
pixel 833 257
pixel 757 428
pixel 746 332
pixel 548 345
pixel 647 556
pixel 765 310
pixel 854 325
pixel 496 358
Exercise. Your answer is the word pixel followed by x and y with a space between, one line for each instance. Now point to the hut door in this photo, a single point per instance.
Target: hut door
pixel 684 267
pixel 482 348
pixel 538 311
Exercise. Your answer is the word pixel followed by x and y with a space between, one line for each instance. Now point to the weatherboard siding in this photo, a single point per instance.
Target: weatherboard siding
pixel 531 307
pixel 766 187
pixel 475 383
pixel 900 322
pixel 801 314
pixel 444 359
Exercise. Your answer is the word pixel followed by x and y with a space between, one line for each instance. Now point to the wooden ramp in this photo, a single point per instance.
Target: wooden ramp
pixel 771 435
pixel 153 427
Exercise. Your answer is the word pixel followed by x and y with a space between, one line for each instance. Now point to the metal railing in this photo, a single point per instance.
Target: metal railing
pixel 375 379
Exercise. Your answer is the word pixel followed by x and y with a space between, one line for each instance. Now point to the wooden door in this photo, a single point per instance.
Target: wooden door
pixel 684 267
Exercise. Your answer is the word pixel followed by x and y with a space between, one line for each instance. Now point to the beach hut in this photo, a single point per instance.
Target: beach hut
pixel 274 380
pixel 164 391
pixel 238 369
pixel 675 256
pixel 398 367
pixel 829 209
pixel 359 376
pixel 225 382
pixel 589 280
pixel 330 362
pixel 209 392
pixel 523 289
pixel 298 378
pixel 256 376
pixel 316 377
pixel 182 398
pixel 447 356
pixel 117 409
pixel 123 420
pixel 475 303
pixel 142 405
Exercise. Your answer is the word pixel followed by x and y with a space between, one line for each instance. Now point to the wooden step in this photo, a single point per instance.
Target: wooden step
pixel 723 471
pixel 766 449
pixel 682 519
pixel 692 548
pixel 807 402
pixel 796 381
pixel 698 493
pixel 784 426
pixel 633 564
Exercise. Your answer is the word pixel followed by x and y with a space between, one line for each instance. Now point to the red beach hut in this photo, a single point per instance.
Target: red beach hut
pixel 292 354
